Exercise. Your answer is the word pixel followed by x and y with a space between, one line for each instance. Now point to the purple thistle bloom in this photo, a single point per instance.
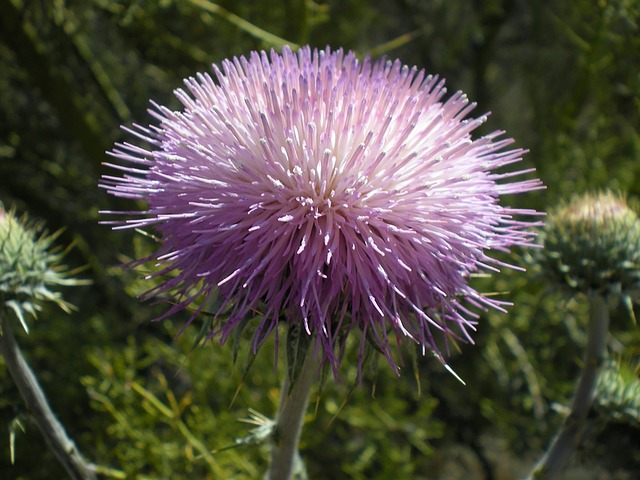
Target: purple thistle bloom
pixel 338 192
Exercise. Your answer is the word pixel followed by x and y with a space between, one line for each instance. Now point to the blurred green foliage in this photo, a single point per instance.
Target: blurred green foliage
pixel 561 77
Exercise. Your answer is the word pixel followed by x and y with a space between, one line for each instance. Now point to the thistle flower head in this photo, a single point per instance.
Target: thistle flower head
pixel 324 191
pixel 592 244
pixel 29 267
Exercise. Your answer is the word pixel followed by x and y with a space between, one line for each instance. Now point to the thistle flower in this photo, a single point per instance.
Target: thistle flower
pixel 29 267
pixel 324 191
pixel 618 392
pixel 592 244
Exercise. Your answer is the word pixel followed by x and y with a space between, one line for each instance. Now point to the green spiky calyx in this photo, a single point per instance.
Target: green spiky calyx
pixel 618 392
pixel 29 266
pixel 592 245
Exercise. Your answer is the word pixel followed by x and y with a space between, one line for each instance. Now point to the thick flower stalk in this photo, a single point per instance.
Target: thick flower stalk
pixel 319 189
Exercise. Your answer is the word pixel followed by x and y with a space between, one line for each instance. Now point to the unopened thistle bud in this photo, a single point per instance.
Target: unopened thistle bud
pixel 29 266
pixel 592 245
pixel 618 392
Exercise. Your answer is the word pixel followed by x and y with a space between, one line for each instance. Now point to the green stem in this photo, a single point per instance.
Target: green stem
pixel 242 24
pixel 52 430
pixel 559 453
pixel 293 405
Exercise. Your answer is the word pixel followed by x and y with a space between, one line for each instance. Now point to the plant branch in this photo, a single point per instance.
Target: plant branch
pixel 52 430
pixel 293 405
pixel 559 453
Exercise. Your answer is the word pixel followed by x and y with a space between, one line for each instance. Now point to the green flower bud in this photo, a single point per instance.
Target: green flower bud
pixel 592 245
pixel 618 392
pixel 29 266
